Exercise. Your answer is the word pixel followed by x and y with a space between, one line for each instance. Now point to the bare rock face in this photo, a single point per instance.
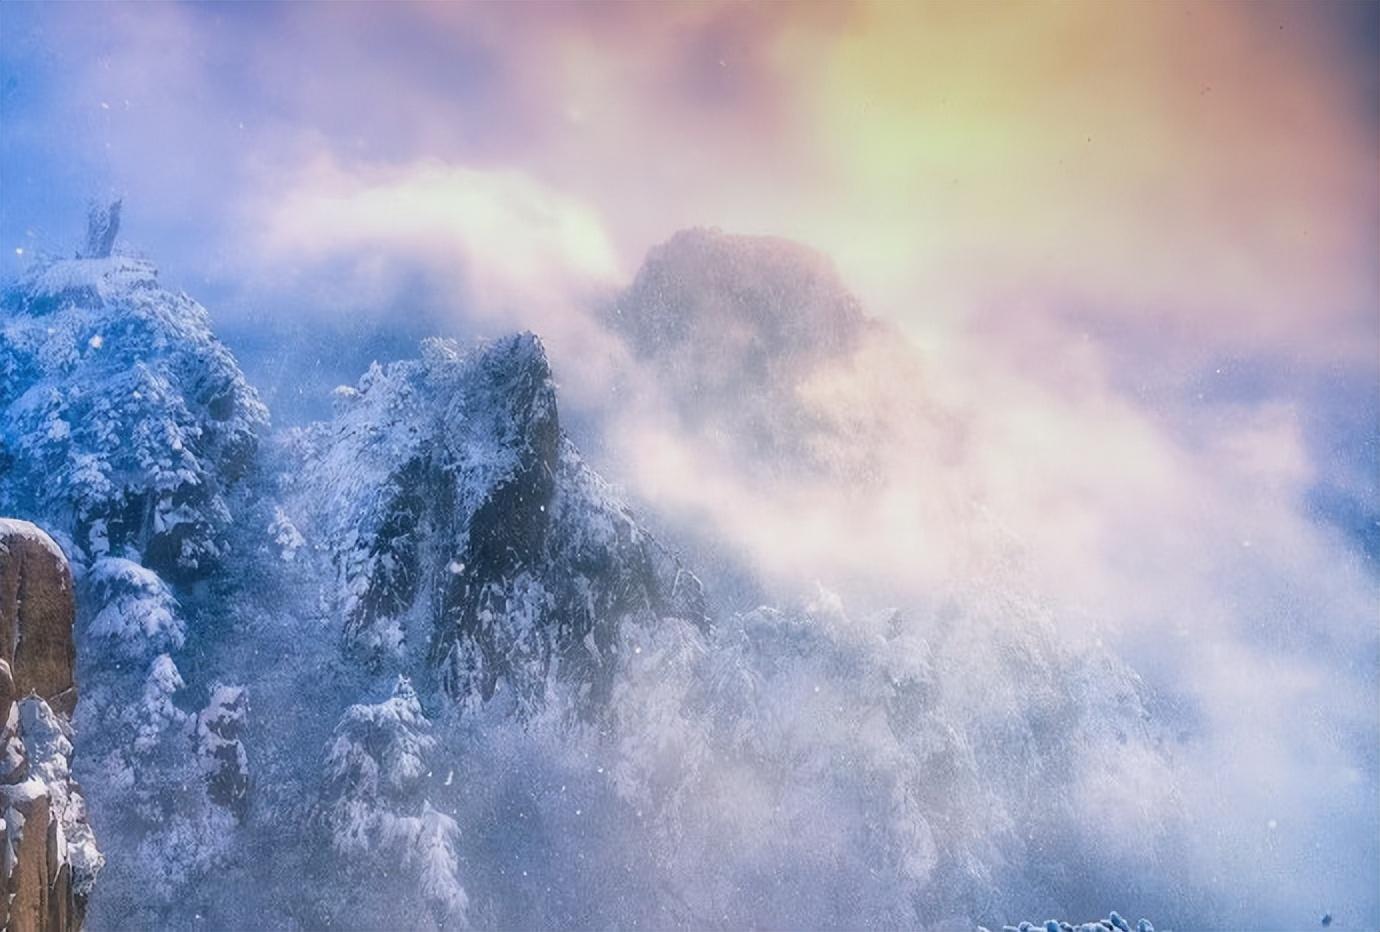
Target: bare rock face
pixel 37 610
pixel 48 858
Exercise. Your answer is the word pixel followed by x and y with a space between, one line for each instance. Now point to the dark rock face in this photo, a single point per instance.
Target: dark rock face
pixel 746 337
pixel 759 299
pixel 476 537
pixel 733 324
pixel 102 226
pixel 49 857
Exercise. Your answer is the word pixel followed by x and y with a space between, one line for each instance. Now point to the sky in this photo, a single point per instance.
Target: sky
pixel 1136 250
pixel 1200 179
pixel 1204 172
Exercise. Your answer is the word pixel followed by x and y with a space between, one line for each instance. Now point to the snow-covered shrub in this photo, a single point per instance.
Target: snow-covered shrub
pixel 1113 923
pixel 135 611
pixel 285 534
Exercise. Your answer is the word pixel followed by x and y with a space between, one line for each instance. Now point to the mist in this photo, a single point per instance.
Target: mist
pixel 1022 424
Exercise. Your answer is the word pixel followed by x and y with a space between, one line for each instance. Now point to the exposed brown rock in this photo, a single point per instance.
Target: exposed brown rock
pixel 36 615
pixel 29 886
pixel 37 663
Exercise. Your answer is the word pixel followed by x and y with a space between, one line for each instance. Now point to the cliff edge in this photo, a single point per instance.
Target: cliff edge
pixel 48 860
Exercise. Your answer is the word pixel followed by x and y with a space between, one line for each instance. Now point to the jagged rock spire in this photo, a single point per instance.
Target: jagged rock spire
pixel 102 225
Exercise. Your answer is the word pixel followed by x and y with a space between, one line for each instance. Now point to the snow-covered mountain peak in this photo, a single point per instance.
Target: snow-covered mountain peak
pixel 121 414
pixel 51 283
pixel 472 543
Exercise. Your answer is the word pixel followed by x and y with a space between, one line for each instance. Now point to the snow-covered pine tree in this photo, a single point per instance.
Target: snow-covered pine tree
pixel 375 813
pixel 150 762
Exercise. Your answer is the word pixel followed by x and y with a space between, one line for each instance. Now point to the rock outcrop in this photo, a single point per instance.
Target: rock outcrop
pixel 38 611
pixel 48 861
pixel 469 528
pixel 102 226
pixel 758 351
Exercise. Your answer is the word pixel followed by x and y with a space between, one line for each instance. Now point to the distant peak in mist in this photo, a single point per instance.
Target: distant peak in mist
pixel 750 295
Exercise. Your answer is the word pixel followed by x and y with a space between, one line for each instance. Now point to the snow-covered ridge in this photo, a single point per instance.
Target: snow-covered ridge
pixel 466 528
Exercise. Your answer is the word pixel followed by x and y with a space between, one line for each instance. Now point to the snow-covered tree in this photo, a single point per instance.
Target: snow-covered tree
pixel 122 418
pixel 375 812
pixel 170 780
pixel 220 746
pixel 136 613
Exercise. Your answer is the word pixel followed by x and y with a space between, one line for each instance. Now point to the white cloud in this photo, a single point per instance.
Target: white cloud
pixel 507 243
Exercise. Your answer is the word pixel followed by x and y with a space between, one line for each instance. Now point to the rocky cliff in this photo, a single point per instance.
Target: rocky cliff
pixel 467 527
pixel 49 860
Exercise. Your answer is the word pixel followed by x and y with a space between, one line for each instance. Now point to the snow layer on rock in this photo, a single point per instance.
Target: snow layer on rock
pixel 48 747
pixel 11 528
